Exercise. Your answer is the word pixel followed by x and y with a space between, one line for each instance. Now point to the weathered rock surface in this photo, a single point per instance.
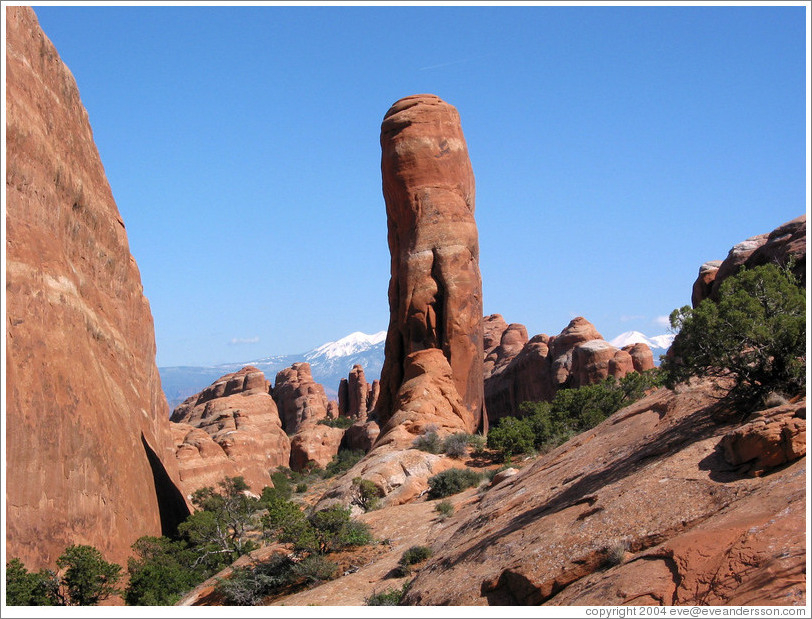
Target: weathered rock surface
pixel 787 241
pixel 89 449
pixel 642 357
pixel 361 436
pixel 642 509
pixel 301 400
pixel 241 417
pixel 435 290
pixel 314 445
pixel 374 393
pixel 358 393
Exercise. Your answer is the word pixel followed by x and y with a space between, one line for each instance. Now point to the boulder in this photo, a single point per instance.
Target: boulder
pixel 314 445
pixel 642 357
pixel 435 290
pixel 89 449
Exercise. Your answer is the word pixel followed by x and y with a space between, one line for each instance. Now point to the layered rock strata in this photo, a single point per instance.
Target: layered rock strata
pixel 239 415
pixel 435 290
pixel 89 448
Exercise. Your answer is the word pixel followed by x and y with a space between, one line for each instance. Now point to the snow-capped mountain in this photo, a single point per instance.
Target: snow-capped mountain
pixel 659 344
pixel 329 363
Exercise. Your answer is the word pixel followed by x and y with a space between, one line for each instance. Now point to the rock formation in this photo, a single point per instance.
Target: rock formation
pixel 786 242
pixel 301 400
pixel 314 446
pixel 89 448
pixel 518 370
pixel 435 290
pixel 239 415
pixel 374 393
pixel 656 505
pixel 358 389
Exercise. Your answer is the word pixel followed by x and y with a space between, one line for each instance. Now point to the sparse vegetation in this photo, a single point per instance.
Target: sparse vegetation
pixel 344 460
pixel 314 569
pixel 755 336
pixel 368 495
pixel 338 422
pixel 248 586
pixel 301 487
pixel 452 481
pixel 429 441
pixel 389 597
pixel 445 508
pixel 414 555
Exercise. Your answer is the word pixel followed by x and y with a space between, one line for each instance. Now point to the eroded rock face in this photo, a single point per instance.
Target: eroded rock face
pixel 358 393
pixel 642 509
pixel 787 241
pixel 241 417
pixel 90 457
pixel 301 400
pixel 314 445
pixel 435 290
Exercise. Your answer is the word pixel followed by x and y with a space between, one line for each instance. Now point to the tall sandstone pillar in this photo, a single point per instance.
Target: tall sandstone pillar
pixel 435 290
pixel 89 452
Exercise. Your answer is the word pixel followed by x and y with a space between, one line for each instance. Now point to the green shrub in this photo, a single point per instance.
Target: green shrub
pixel 429 442
pixel 281 484
pixel 314 569
pixel 344 460
pixel 368 495
pixel 248 586
pixel 301 487
pixel 389 597
pixel 339 422
pixel 88 578
pixel 755 336
pixel 452 481
pixel 511 436
pixel 477 443
pixel 445 508
pixel 414 555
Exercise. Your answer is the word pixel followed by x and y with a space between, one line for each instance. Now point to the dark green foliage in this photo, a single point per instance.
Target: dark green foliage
pixel 344 460
pixel 389 597
pixel 755 336
pixel 220 532
pixel 544 425
pixel 429 442
pixel 88 578
pixel 445 508
pixel 249 586
pixel 161 572
pixel 511 436
pixel 281 484
pixel 314 569
pixel 452 481
pixel 301 487
pixel 414 555
pixel 367 494
pixel 339 422
pixel 24 588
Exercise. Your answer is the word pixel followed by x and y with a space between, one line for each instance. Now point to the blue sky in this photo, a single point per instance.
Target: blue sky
pixel 615 149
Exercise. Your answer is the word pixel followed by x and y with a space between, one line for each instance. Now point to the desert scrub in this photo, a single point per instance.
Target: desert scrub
pixel 456 445
pixel 314 569
pixel 429 442
pixel 367 495
pixel 339 422
pixel 445 508
pixel 248 586
pixel 389 597
pixel 414 555
pixel 452 481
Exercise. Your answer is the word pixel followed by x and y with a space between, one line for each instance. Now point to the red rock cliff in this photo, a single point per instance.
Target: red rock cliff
pixel 89 451
pixel 435 290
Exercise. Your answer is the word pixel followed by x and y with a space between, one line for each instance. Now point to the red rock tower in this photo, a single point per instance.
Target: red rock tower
pixel 435 290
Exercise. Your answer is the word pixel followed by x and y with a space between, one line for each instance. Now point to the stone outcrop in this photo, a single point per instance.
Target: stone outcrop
pixel 518 370
pixel 89 455
pixel 374 393
pixel 358 389
pixel 645 508
pixel 240 416
pixel 301 400
pixel 786 242
pixel 313 446
pixel 435 289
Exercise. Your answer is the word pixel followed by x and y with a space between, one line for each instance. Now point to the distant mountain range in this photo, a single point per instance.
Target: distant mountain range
pixel 659 344
pixel 331 362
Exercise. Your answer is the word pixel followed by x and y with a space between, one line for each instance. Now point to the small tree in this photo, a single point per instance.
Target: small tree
pixel 368 495
pixel 24 588
pixel 511 436
pixel 755 336
pixel 88 578
pixel 161 571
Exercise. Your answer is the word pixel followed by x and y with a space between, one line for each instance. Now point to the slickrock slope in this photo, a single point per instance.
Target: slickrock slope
pixel 786 241
pixel 239 415
pixel 653 506
pixel 89 448
pixel 435 290
pixel 518 370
